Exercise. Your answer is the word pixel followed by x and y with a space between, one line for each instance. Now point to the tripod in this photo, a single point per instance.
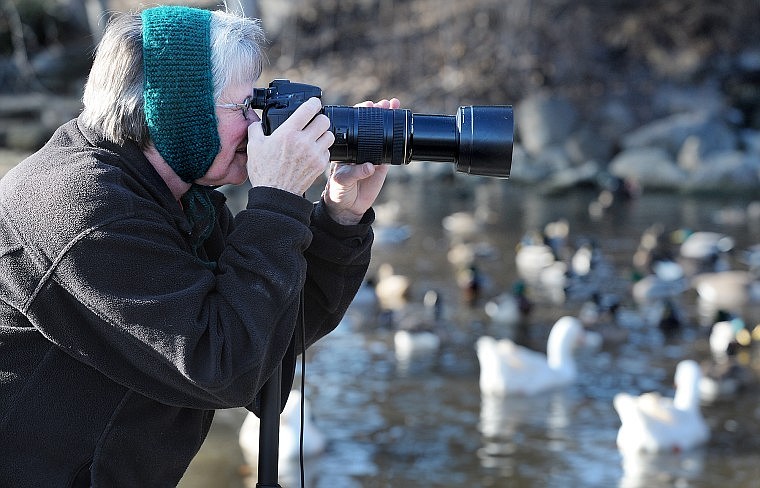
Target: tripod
pixel 269 432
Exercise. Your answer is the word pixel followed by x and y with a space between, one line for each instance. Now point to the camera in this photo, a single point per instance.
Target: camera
pixel 477 139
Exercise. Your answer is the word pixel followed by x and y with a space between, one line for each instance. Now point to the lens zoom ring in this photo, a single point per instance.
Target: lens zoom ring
pixel 399 137
pixel 370 135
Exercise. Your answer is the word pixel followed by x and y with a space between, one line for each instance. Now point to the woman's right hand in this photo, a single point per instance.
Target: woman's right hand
pixel 295 154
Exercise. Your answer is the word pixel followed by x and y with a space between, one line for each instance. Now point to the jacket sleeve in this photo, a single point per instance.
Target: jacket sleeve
pixel 338 258
pixel 140 308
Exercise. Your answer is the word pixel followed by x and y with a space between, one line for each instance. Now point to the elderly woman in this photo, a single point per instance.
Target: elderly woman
pixel 132 303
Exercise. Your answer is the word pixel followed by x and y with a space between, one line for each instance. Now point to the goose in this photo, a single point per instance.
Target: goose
pixel 290 424
pixel 509 369
pixel 653 423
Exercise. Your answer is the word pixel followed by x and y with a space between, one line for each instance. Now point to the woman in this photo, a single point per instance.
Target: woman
pixel 132 303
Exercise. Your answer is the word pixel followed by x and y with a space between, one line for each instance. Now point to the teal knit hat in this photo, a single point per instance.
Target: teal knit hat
pixel 179 104
pixel 179 88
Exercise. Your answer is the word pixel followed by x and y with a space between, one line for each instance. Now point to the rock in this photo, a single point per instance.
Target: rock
pixel 25 135
pixel 669 133
pixel 588 144
pixel 615 117
pixel 60 68
pixel 726 172
pixel 750 140
pixel 567 179
pixel 543 120
pixel 706 98
pixel 524 167
pixel 650 167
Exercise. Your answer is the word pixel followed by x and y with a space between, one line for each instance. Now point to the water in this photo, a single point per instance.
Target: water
pixel 423 423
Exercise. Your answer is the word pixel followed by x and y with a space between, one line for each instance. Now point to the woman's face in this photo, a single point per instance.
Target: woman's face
pixel 229 166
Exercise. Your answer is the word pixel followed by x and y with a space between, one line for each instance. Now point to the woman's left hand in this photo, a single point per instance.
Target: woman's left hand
pixel 352 188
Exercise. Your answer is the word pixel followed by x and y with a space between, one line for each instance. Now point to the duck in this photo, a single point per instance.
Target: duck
pixel 666 281
pixel 314 440
pixel 419 329
pixel 510 308
pixel 705 251
pixel 723 379
pixel 364 310
pixel 507 368
pixel 532 259
pixel 538 266
pixel 654 246
pixel 473 283
pixel 729 290
pixel 462 226
pixel 604 314
pixel 653 423
pixel 392 289
pixel 658 295
pixel 589 272
pixel 555 235
pixel 723 375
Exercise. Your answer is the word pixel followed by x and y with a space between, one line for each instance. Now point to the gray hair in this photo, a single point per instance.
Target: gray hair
pixel 113 95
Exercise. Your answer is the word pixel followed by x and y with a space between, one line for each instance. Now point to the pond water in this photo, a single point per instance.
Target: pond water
pixel 422 422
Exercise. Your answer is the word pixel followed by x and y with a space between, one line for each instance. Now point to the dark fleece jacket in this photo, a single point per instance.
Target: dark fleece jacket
pixel 117 342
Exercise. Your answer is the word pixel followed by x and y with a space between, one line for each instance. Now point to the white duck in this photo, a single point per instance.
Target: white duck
pixel 509 369
pixel 290 425
pixel 653 423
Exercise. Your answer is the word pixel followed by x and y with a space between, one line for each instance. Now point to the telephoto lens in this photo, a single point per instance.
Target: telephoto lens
pixel 477 139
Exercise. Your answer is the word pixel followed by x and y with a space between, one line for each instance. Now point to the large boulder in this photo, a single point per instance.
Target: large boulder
pixel 650 167
pixel 544 120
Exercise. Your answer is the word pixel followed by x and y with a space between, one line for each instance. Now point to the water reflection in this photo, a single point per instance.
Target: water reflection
pixel 644 470
pixel 422 421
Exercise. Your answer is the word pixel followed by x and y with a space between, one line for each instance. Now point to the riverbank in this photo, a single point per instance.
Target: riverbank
pixel 661 96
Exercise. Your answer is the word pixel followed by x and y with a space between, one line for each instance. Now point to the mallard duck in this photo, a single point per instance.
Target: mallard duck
pixel 419 328
pixel 653 423
pixel 509 309
pixel 723 376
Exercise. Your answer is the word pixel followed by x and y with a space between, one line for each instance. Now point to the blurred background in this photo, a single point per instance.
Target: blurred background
pixel 637 127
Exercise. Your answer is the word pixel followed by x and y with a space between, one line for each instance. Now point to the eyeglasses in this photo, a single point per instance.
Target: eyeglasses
pixel 244 107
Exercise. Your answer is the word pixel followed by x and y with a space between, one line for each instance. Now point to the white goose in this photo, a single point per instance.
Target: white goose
pixel 509 369
pixel 290 424
pixel 653 423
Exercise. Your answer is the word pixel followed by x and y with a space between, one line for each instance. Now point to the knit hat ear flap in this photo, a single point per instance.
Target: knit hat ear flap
pixel 179 88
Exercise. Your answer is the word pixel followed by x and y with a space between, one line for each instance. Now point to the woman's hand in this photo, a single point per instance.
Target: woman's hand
pixel 352 188
pixel 295 154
